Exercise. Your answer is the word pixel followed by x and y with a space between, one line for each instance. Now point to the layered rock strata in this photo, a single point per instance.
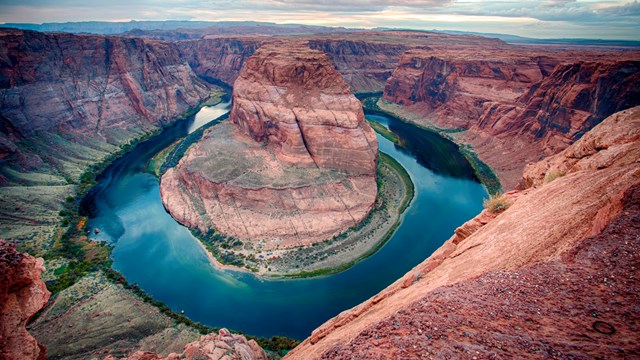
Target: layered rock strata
pixel 552 276
pixel 87 90
pixel 221 346
pixel 517 105
pixel 22 295
pixel 298 165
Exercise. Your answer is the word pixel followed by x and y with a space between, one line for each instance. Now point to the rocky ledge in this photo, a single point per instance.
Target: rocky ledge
pixel 552 276
pixel 22 294
pixel 297 164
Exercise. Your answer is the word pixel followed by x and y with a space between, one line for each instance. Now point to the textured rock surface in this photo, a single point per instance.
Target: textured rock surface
pixel 218 58
pixel 298 167
pixel 221 346
pixel 292 97
pixel 552 276
pixel 22 294
pixel 517 104
pixel 89 89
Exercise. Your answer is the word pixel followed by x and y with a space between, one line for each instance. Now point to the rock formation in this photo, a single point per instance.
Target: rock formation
pixel 218 58
pixel 88 89
pixel 221 346
pixel 298 167
pixel 22 295
pixel 517 104
pixel 552 276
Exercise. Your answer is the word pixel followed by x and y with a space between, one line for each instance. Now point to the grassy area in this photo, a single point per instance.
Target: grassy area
pixel 160 158
pixel 383 131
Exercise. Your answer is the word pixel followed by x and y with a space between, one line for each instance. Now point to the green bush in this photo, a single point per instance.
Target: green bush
pixel 497 203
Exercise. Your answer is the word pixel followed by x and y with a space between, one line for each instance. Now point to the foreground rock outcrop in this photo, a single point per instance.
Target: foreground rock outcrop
pixel 298 166
pixel 555 275
pixel 22 295
pixel 221 346
pixel 517 104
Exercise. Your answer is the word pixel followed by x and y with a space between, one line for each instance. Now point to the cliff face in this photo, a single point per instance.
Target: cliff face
pixel 22 294
pixel 297 167
pixel 552 276
pixel 296 100
pixel 218 58
pixel 89 89
pixel 365 66
pixel 516 105
pixel 454 84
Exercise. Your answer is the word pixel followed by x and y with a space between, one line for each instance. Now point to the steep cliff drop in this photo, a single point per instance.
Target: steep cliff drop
pixel 514 105
pixel 553 276
pixel 296 165
pixel 22 294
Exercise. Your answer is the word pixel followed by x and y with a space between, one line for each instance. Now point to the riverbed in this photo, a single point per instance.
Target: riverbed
pixel 165 260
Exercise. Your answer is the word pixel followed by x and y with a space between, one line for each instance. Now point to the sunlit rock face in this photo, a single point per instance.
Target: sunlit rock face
pixel 296 165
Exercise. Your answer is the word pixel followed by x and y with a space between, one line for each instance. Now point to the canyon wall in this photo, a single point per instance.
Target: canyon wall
pixel 365 66
pixel 516 104
pixel 22 295
pixel 552 276
pixel 88 89
pixel 217 57
pixel 298 167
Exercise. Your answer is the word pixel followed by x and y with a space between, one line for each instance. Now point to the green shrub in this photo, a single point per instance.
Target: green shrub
pixel 497 203
pixel 550 176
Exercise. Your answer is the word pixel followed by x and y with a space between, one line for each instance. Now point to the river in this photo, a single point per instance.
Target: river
pixel 165 260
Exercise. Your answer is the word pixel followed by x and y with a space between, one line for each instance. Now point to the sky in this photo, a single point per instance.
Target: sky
pixel 594 19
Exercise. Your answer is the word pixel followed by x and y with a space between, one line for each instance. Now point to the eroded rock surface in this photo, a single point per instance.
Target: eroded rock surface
pixel 221 346
pixel 22 295
pixel 516 104
pixel 298 164
pixel 555 275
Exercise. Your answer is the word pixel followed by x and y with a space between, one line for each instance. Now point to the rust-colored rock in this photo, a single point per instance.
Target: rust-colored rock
pixel 552 276
pixel 292 97
pixel 518 104
pixel 22 295
pixel 298 166
pixel 221 346
pixel 89 88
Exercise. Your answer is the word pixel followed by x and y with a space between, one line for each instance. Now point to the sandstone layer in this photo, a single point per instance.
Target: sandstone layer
pixel 90 88
pixel 221 346
pixel 22 295
pixel 516 104
pixel 298 165
pixel 552 276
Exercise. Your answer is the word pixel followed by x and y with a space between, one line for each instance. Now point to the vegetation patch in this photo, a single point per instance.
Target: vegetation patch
pixel 497 203
pixel 552 175
pixel 384 132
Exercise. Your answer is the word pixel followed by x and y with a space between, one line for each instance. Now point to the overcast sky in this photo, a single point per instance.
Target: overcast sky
pixel 603 19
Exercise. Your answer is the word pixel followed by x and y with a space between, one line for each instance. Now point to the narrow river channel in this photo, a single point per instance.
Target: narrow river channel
pixel 163 258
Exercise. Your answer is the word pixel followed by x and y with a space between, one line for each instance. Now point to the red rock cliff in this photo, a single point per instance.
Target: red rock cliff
pixel 22 294
pixel 298 167
pixel 293 97
pixel 90 88
pixel 553 276
pixel 517 104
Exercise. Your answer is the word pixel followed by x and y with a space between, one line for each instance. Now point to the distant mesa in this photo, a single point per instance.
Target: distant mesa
pixel 295 165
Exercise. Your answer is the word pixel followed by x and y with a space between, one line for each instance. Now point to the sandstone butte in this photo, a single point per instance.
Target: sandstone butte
pixel 517 104
pixel 22 295
pixel 553 276
pixel 298 165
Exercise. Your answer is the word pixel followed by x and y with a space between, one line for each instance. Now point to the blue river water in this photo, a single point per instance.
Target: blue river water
pixel 163 258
